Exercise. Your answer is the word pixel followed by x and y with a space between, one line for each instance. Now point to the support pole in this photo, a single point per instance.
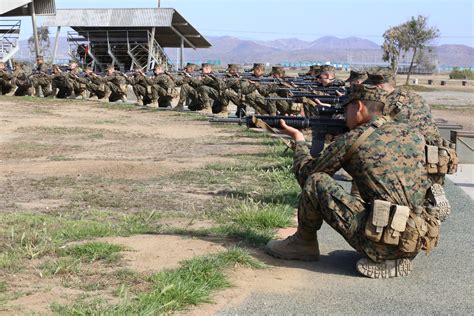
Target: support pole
pixel 181 51
pixel 35 30
pixel 151 48
pixel 56 42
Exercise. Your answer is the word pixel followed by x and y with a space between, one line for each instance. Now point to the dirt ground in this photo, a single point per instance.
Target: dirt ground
pixel 76 155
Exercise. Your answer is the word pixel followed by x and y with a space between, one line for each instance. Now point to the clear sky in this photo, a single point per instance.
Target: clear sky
pixel 305 19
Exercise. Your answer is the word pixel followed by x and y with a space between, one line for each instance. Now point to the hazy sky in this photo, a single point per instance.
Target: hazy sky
pixel 305 19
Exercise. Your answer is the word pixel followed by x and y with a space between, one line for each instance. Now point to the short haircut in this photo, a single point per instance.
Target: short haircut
pixel 374 106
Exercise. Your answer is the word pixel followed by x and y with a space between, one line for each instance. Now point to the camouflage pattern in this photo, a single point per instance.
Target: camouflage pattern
pixel 408 107
pixel 388 166
pixel 41 79
pixel 5 82
pixel 21 81
pixel 357 75
pixel 379 75
pixel 367 93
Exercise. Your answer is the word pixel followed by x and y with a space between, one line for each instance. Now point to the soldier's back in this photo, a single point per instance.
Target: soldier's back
pixel 390 164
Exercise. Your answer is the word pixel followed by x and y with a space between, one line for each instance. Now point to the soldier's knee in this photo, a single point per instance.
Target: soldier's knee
pixel 317 180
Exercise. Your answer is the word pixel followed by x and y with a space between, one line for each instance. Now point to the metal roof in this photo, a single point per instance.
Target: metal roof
pixel 169 23
pixel 19 7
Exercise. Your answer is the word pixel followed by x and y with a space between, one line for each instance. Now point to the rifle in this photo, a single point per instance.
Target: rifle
pixel 333 100
pixel 321 125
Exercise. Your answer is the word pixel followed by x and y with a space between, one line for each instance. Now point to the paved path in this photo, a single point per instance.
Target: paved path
pixel 442 283
pixel 464 179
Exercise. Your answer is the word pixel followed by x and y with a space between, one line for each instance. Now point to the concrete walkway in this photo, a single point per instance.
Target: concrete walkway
pixel 464 179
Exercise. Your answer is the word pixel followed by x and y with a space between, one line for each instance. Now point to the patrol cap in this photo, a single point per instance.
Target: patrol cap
pixel 327 68
pixel 366 92
pixel 188 65
pixel 315 69
pixel 233 67
pixel 203 65
pixel 357 75
pixel 378 75
pixel 277 70
pixel 258 66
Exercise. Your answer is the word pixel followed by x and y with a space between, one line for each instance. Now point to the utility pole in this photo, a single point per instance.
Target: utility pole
pixel 158 3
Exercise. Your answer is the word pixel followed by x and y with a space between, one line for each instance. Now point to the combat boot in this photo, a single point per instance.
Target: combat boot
pixel 223 113
pixel 206 109
pixel 124 99
pixel 384 269
pixel 154 104
pixel 139 102
pixel 294 248
pixel 106 97
pixel 12 92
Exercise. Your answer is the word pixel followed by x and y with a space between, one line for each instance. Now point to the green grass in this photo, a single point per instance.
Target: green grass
pixel 191 284
pixel 32 235
pixel 118 106
pixel 94 251
pixel 60 266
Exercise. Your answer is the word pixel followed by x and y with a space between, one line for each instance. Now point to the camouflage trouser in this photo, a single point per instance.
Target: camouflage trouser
pixel 5 87
pixel 187 92
pixel 208 94
pixel 79 88
pixel 259 104
pixel 101 90
pixel 63 90
pixel 24 87
pixel 44 82
pixel 323 198
pixel 234 97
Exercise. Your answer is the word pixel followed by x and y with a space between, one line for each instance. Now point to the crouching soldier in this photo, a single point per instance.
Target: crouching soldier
pixel 389 223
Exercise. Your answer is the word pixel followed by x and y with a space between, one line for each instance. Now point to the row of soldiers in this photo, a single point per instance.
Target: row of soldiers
pixel 211 92
pixel 205 91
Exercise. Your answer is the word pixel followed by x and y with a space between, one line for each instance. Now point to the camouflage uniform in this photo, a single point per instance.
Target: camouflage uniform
pixel 61 86
pixel 78 84
pixel 186 91
pixel 208 88
pixel 407 107
pixel 389 165
pixel 5 82
pixel 40 78
pixel 118 86
pixel 21 81
pixel 141 88
pixel 163 89
pixel 97 86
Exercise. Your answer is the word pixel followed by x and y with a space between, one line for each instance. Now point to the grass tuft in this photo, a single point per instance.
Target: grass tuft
pixel 94 251
pixel 191 284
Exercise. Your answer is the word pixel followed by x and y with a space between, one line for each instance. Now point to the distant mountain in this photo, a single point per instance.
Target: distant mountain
pixel 228 49
pixel 457 55
pixel 331 42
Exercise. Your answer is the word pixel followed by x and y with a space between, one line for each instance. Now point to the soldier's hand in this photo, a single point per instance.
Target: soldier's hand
pixel 297 135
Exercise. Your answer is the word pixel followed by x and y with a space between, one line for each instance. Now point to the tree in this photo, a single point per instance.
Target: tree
pixel 393 46
pixel 417 37
pixel 43 39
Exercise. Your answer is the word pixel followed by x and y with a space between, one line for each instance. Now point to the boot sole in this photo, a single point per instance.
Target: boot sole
pixel 299 258
pixel 386 269
pixel 441 201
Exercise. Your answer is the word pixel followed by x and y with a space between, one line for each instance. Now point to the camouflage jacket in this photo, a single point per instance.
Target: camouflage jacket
pixel 389 165
pixel 407 107
pixel 163 80
pixel 5 75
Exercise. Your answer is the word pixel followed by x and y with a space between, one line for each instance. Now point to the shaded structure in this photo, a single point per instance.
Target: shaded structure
pixel 125 37
pixel 10 28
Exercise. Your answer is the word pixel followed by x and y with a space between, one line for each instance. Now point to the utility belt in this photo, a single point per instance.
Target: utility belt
pixel 443 159
pixel 411 230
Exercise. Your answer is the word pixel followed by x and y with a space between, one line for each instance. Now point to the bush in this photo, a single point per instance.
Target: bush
pixel 461 74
